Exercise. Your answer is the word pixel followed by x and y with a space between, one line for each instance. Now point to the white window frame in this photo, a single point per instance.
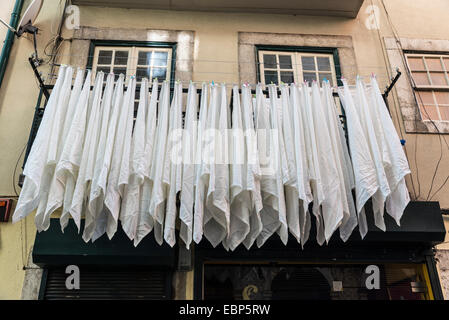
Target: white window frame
pixel 132 63
pixel 431 87
pixel 297 68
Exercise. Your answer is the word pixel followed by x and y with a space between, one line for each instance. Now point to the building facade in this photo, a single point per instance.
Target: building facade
pixel 226 41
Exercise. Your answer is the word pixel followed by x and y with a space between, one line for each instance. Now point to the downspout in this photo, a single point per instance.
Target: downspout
pixel 9 40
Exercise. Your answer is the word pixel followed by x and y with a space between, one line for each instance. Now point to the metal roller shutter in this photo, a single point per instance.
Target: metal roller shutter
pixel 122 283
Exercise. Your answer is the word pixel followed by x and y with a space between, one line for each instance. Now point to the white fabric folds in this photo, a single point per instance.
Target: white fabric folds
pixel 236 167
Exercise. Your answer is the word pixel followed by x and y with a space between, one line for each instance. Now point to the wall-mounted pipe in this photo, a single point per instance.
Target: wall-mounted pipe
pixel 9 40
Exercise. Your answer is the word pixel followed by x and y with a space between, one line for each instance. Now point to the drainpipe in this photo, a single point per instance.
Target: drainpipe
pixel 9 40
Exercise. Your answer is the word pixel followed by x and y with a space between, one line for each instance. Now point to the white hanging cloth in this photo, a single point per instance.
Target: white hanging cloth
pixel 395 161
pixel 313 160
pixel 237 184
pixel 56 194
pixel 378 199
pixel 119 157
pixel 332 205
pixel 129 213
pixel 302 172
pixel 57 141
pixel 111 111
pixel 68 167
pixel 35 168
pixel 342 161
pixel 53 150
pixel 189 149
pixel 158 194
pixel 88 157
pixel 217 214
pixel 273 213
pixel 145 221
pixel 98 185
pixel 290 179
pixel 240 196
pixel 364 170
pixel 173 164
pixel 251 169
pixel 202 170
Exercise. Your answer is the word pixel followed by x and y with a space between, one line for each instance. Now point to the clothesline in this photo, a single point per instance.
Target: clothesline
pixel 51 76
pixel 228 85
pixel 282 160
pixel 252 62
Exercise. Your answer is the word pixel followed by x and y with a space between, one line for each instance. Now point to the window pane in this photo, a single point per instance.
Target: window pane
pixel 438 79
pixel 421 78
pixel 287 77
pixel 285 62
pixel 119 70
pixel 416 64
pixel 271 77
pixel 308 76
pixel 104 57
pixel 327 76
pixel 446 63
pixel 142 73
pixel 425 97
pixel 160 59
pixel 144 58
pixel 269 61
pixel 136 108
pixel 442 97
pixel 434 64
pixel 308 63
pixel 444 111
pixel 160 73
pixel 324 63
pixel 121 57
pixel 104 69
pixel 429 113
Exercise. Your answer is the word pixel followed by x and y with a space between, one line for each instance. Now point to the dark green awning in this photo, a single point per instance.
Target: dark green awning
pixel 53 247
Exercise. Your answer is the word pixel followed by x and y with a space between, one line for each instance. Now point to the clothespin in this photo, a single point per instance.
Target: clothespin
pixel 213 83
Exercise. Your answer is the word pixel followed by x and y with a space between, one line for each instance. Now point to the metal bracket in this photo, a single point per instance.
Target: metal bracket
pixel 39 78
pixel 393 82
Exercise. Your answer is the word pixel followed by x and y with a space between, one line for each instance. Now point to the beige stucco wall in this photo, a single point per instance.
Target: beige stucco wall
pixel 215 57
pixel 6 7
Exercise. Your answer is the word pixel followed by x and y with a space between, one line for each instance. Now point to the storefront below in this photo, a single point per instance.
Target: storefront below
pixel 397 264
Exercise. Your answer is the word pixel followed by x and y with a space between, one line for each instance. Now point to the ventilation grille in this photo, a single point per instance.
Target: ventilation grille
pixel 118 284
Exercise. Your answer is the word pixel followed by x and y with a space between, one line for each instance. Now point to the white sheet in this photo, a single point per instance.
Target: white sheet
pixel 34 170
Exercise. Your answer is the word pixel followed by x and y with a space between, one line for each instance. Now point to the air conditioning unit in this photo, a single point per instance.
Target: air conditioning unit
pixel 5 209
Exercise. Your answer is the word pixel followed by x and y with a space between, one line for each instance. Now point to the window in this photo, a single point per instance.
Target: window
pixel 288 67
pixel 430 73
pixel 143 62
